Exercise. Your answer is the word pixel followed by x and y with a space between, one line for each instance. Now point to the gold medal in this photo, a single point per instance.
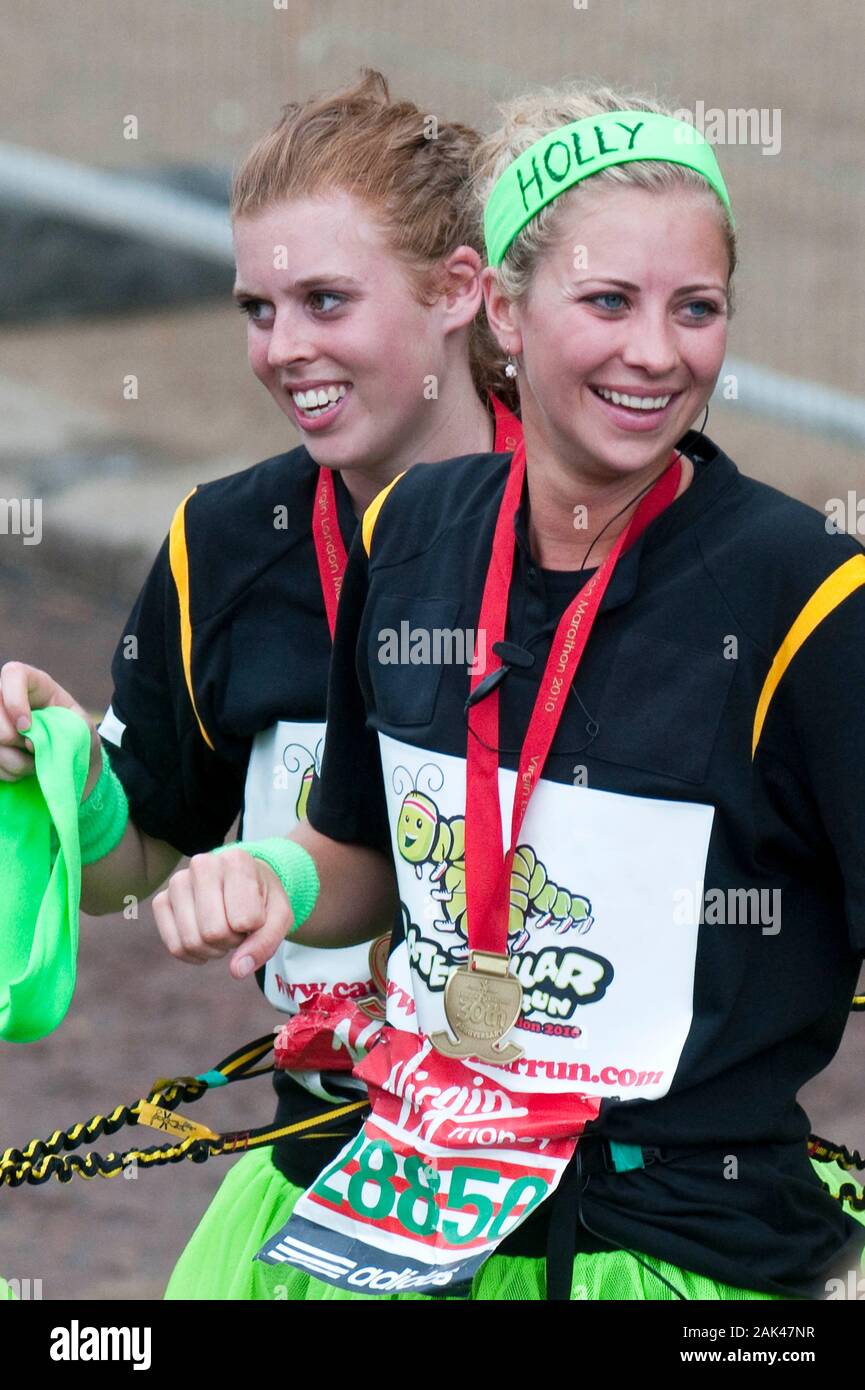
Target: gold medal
pixel 482 1003
pixel 374 1006
pixel 378 955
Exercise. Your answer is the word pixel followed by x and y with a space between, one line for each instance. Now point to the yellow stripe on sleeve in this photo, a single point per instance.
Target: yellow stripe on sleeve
pixel 179 561
pixel 840 584
pixel 370 516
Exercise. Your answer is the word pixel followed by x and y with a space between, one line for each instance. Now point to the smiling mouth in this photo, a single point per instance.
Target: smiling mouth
pixel 634 401
pixel 318 400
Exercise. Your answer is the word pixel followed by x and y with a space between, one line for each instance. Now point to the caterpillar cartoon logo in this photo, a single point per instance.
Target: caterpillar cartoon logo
pixel 556 980
pixel 426 838
pixel 298 758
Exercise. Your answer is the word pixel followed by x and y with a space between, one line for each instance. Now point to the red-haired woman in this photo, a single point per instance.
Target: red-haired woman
pixel 358 248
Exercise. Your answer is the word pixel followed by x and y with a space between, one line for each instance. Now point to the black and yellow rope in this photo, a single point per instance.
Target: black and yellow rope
pixel 43 1159
pixel 824 1151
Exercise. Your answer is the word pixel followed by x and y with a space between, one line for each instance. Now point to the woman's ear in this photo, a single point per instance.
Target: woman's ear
pixel 463 295
pixel 502 314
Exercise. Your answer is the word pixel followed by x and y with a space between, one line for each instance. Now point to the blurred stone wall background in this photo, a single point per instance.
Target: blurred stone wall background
pixel 202 78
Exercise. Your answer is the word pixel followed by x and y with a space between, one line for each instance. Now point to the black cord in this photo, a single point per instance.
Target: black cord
pixel 609 1241
pixel 593 728
pixel 648 486
pixel 496 677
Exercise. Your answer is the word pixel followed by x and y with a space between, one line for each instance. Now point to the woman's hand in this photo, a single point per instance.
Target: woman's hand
pixel 224 902
pixel 23 689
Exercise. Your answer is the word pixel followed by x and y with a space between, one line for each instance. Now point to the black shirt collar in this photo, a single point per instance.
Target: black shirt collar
pixel 713 471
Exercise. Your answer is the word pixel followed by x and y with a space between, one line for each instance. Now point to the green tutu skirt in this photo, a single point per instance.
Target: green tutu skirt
pixel 252 1204
pixel 255 1201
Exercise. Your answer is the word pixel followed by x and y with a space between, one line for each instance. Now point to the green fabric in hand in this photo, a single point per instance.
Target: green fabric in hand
pixel 40 878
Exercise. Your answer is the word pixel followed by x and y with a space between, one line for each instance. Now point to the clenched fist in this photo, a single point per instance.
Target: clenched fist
pixel 224 902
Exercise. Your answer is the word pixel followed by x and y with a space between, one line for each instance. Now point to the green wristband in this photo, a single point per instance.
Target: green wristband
pixel 294 868
pixel 103 815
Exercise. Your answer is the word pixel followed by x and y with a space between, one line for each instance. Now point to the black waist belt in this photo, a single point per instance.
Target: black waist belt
pixel 606 1156
pixel 301 1157
pixel 555 1230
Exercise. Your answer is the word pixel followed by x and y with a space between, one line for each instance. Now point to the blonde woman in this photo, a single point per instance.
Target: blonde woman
pixel 587 1083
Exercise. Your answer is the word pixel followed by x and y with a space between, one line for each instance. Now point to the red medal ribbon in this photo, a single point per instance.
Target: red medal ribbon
pixel 330 549
pixel 488 867
pixel 508 430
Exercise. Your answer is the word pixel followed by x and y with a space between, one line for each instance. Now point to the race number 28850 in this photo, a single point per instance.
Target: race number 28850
pixel 421 1194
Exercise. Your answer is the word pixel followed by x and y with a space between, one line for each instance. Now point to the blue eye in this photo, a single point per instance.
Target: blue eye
pixel 325 295
pixel 252 308
pixel 701 304
pixel 618 301
pixel 596 298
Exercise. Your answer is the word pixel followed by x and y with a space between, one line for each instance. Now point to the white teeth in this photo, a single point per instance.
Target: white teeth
pixel 314 401
pixel 633 402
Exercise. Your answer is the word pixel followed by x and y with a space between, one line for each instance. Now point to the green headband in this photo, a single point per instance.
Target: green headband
pixel 575 152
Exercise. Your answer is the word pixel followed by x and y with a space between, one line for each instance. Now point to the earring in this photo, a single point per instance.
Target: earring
pixel 510 368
